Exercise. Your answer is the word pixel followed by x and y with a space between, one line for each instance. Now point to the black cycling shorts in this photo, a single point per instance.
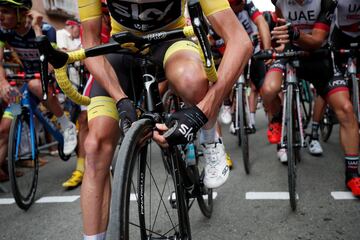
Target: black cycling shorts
pixel 257 73
pixel 318 71
pixel 128 71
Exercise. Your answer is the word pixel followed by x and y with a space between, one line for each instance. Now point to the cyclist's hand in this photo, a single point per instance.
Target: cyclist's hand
pixel 183 125
pixel 8 93
pixel 285 33
pixel 36 18
pixel 280 48
pixel 158 135
pixel 127 113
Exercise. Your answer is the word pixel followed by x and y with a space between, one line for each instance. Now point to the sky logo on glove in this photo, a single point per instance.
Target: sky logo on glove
pixel 184 130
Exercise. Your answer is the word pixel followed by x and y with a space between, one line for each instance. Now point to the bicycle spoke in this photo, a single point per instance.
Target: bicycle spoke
pixel 161 197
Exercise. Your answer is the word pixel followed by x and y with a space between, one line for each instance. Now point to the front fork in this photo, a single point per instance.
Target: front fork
pixel 291 79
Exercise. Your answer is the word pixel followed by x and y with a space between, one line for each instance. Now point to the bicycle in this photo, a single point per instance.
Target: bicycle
pixel 23 147
pixel 242 119
pixel 134 177
pixel 292 133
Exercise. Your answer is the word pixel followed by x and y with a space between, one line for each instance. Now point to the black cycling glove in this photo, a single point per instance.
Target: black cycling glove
pixel 183 125
pixel 127 113
pixel 294 33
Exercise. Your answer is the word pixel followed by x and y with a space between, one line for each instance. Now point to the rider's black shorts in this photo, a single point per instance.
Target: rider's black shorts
pixel 257 72
pixel 128 71
pixel 318 71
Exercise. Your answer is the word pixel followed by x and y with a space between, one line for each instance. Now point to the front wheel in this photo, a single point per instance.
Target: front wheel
pixel 326 125
pixel 243 126
pixel 148 200
pixel 23 160
pixel 291 144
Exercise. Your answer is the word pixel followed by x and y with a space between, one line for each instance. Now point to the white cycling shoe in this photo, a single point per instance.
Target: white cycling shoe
pixel 216 169
pixel 315 147
pixel 225 114
pixel 70 139
pixel 232 129
pixel 282 155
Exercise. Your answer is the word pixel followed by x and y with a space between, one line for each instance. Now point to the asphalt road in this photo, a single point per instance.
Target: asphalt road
pixel 237 215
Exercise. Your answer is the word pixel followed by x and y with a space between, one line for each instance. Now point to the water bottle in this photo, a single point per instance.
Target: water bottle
pixel 15 107
pixel 190 155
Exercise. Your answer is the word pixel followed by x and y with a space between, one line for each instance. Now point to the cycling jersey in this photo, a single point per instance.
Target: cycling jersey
pixel 311 14
pixel 347 17
pixel 25 46
pixel 142 16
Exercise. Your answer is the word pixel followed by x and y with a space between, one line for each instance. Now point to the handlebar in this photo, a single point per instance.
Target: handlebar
pixel 22 75
pixel 124 40
pixel 270 54
pixel 353 50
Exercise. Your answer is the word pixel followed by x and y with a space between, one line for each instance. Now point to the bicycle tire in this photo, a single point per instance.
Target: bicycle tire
pixel 133 177
pixel 306 100
pixel 24 186
pixel 242 133
pixel 62 155
pixel 171 104
pixel 198 171
pixel 290 144
pixel 326 126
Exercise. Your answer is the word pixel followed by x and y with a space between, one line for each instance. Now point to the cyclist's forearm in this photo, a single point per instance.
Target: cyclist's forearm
pixel 312 41
pixel 264 32
pixel 232 65
pixel 98 66
pixel 103 72
pixel 235 58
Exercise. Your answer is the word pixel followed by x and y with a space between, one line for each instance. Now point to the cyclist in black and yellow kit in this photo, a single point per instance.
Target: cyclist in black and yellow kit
pixel 182 68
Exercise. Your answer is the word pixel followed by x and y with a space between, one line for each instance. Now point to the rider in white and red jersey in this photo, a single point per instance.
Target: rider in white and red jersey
pixel 309 27
pixel 346 29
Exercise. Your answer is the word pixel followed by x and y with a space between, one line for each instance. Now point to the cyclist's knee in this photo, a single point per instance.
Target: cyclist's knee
pixel 345 113
pixel 191 87
pixel 97 143
pixel 269 91
pixel 35 87
pixel 95 146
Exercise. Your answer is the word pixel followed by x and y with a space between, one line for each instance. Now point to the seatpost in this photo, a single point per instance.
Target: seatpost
pixel 153 99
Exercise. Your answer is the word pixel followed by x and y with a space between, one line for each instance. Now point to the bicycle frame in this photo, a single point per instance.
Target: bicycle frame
pixel 241 86
pixel 28 101
pixel 291 79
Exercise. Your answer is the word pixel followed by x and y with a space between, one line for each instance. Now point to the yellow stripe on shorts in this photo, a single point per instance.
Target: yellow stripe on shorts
pixel 8 115
pixel 178 46
pixel 102 106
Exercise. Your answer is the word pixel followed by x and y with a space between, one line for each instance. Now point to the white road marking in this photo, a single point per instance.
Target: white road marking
pixel 58 199
pixel 133 196
pixel 339 195
pixel 268 196
pixel 5 201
